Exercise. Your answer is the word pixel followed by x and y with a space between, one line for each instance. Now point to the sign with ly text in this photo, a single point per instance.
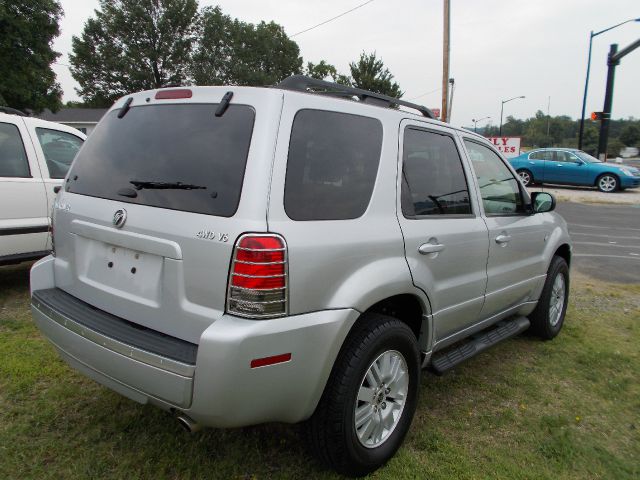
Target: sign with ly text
pixel 508 146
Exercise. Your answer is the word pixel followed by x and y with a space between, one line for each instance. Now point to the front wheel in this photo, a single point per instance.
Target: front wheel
pixel 548 317
pixel 370 399
pixel 526 177
pixel 607 183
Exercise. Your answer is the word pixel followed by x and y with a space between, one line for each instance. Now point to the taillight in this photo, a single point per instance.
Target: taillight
pixel 258 277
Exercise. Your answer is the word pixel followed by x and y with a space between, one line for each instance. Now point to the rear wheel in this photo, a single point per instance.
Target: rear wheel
pixel 526 176
pixel 607 183
pixel 370 399
pixel 548 317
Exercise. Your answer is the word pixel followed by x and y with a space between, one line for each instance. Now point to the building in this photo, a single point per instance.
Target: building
pixel 84 119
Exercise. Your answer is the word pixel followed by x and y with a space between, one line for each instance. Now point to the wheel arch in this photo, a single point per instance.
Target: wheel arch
pixel 564 251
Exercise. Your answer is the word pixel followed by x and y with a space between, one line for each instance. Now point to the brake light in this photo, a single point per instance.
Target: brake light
pixel 173 94
pixel 258 277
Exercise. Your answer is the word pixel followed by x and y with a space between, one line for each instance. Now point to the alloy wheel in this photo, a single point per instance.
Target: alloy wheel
pixel 556 304
pixel 607 183
pixel 381 398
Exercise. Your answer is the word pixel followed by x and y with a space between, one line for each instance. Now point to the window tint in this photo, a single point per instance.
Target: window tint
pixel 332 165
pixel 173 143
pixel 13 159
pixel 59 149
pixel 499 188
pixel 433 181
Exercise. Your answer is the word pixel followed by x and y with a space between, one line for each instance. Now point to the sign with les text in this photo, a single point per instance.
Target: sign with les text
pixel 508 146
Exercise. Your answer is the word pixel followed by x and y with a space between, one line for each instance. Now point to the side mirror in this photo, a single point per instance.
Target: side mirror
pixel 543 202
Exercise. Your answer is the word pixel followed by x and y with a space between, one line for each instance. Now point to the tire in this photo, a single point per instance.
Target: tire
pixel 526 176
pixel 331 432
pixel 547 318
pixel 607 183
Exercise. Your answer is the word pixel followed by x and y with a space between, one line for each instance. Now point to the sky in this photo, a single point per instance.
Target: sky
pixel 499 48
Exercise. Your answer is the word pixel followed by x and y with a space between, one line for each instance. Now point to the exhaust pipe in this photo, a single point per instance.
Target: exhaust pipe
pixel 188 424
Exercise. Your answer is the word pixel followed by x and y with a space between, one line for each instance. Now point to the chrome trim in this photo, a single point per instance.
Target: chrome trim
pixel 230 285
pixel 116 346
pixel 259 290
pixel 257 276
pixel 259 263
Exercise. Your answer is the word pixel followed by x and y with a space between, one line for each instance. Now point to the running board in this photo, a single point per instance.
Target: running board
pixel 446 360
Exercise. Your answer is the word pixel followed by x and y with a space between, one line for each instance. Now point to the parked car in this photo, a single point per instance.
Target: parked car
pixel 569 166
pixel 34 158
pixel 241 255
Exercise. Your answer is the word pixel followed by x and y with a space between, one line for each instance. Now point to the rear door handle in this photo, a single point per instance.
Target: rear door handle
pixel 427 248
pixel 503 238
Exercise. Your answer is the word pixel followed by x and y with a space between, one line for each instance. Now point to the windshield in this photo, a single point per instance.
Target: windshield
pixel 177 156
pixel 586 157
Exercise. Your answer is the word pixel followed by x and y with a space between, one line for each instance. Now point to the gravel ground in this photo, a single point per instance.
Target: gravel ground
pixel 590 195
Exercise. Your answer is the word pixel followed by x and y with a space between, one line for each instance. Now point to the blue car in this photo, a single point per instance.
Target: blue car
pixel 569 166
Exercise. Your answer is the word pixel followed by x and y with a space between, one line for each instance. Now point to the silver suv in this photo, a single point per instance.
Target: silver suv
pixel 242 255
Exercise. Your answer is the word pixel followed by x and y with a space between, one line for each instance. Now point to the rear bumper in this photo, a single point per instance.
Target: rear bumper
pixel 220 389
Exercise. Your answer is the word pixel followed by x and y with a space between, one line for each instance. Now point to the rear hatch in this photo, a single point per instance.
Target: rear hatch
pixel 155 200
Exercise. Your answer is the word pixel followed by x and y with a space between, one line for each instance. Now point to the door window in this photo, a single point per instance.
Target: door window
pixel 562 156
pixel 59 150
pixel 13 158
pixel 433 180
pixel 499 188
pixel 541 155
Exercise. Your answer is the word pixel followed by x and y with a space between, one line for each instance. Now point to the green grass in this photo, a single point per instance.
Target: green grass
pixel 526 409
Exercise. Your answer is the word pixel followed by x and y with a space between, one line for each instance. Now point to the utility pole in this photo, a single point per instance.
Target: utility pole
pixel 613 60
pixel 444 114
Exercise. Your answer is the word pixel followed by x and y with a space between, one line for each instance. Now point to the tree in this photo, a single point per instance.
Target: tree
pixel 369 73
pixel 133 45
pixel 630 135
pixel 27 30
pixel 321 71
pixel 234 52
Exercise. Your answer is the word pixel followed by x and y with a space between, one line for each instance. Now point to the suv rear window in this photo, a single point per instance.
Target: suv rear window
pixel 332 165
pixel 164 145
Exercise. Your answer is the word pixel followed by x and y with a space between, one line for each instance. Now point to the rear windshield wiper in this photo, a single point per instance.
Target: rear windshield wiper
pixel 165 185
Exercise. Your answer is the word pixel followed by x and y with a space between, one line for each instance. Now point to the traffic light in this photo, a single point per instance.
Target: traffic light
pixel 599 115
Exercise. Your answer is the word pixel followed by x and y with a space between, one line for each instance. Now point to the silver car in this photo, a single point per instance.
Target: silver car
pixel 241 255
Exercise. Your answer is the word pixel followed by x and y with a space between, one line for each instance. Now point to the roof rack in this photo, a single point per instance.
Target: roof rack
pixel 12 111
pixel 302 83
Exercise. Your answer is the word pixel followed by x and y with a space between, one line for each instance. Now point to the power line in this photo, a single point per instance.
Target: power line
pixel 424 94
pixel 331 19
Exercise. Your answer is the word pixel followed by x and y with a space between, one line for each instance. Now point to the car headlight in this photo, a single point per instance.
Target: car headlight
pixel 627 172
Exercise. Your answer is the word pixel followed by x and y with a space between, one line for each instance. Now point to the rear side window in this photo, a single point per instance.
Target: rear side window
pixel 176 156
pixel 332 165
pixel 433 180
pixel 59 150
pixel 13 159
